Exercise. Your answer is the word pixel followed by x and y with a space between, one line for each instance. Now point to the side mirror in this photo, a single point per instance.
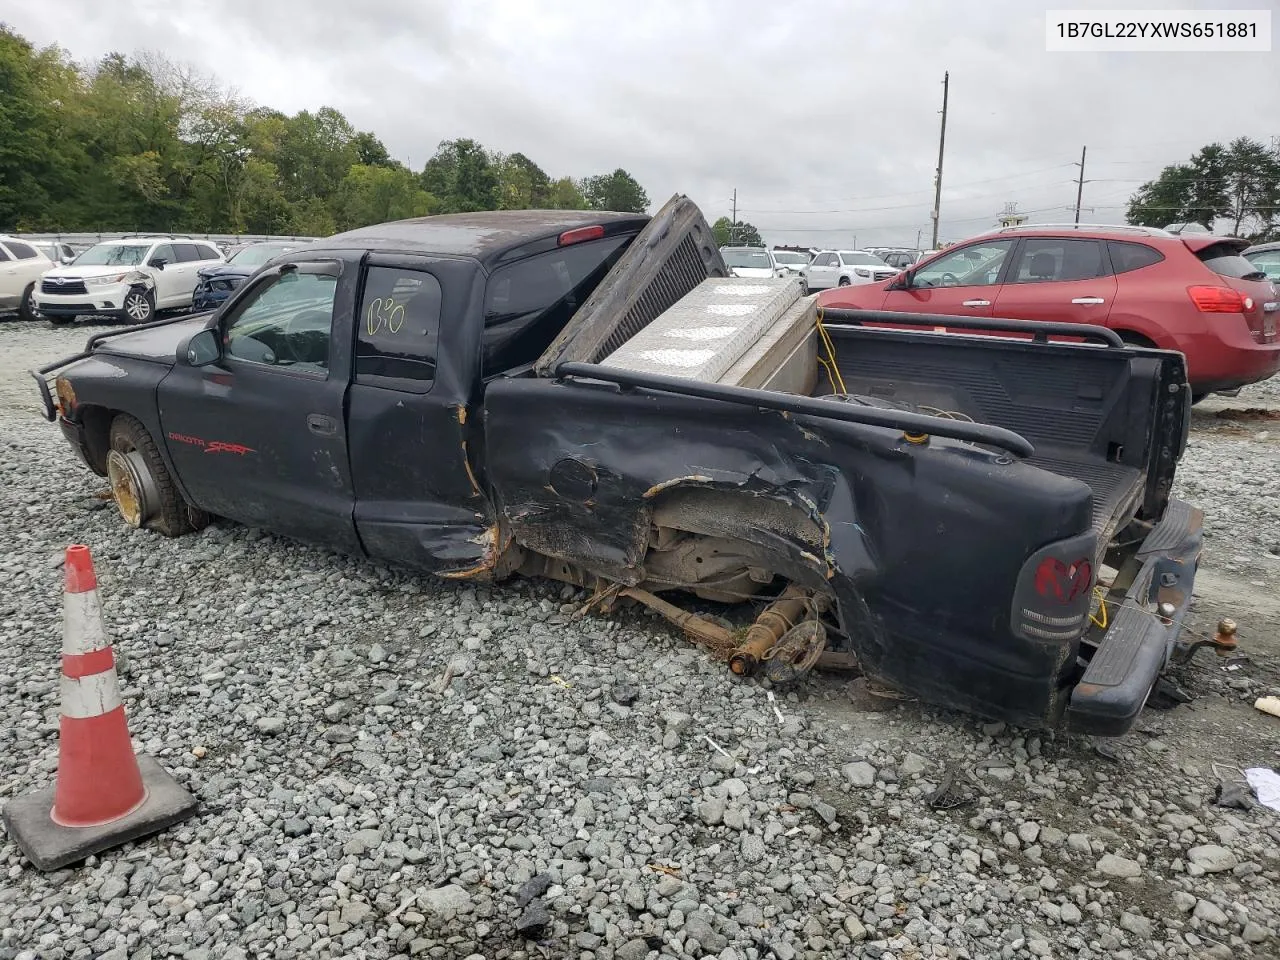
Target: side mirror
pixel 203 349
pixel 903 280
pixel 157 262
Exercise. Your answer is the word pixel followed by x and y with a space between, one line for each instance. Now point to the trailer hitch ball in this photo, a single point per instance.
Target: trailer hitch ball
pixel 1225 640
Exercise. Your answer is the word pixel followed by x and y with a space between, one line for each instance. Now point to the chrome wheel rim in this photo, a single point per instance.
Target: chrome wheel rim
pixel 136 306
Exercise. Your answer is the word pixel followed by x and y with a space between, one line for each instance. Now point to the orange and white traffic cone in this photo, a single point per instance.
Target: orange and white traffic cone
pixel 104 795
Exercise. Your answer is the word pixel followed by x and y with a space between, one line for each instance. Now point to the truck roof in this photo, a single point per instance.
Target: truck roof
pixel 486 235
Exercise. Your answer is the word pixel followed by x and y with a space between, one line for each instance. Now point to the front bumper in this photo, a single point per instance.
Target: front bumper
pixel 74 434
pixel 1138 641
pixel 105 299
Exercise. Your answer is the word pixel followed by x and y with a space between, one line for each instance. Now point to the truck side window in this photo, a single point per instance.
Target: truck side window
pixel 528 302
pixel 398 329
pixel 286 323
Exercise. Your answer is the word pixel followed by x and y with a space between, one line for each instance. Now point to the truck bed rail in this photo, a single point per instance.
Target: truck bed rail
pixel 1038 330
pixel 914 423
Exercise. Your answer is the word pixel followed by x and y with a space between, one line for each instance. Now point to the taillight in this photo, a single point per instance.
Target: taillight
pixel 1217 299
pixel 581 234
pixel 1053 594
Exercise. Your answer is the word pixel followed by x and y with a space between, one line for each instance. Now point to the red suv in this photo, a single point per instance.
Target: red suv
pixel 1192 293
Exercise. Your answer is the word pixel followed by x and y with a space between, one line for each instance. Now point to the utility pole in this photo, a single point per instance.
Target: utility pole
pixel 942 142
pixel 733 220
pixel 918 232
pixel 1080 183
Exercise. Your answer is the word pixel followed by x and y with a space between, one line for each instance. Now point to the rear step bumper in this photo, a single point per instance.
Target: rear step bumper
pixel 1137 644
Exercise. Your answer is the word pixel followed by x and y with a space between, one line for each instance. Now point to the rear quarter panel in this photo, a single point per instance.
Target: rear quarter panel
pixel 922 545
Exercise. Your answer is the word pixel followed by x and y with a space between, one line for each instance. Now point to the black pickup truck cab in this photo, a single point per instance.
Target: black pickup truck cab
pixel 981 519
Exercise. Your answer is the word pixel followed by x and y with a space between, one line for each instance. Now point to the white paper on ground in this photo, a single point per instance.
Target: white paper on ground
pixel 1266 784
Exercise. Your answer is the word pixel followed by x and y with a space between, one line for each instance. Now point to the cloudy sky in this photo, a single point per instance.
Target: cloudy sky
pixel 823 114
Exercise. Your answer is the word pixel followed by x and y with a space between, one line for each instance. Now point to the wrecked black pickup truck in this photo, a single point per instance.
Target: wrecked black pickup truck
pixel 979 517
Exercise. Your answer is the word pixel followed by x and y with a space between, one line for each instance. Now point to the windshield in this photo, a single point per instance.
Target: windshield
pixel 259 253
pixel 747 258
pixel 783 257
pixel 113 255
pixel 862 259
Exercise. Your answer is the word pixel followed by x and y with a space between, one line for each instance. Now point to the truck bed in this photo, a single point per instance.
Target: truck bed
pixel 1086 408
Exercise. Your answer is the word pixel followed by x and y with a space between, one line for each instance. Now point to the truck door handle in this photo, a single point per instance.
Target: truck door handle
pixel 1089 301
pixel 320 424
pixel 977 303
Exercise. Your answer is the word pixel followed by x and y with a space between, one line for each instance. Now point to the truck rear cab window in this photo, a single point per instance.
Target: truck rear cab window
pixel 528 302
pixel 1225 260
pixel 398 329
pixel 286 322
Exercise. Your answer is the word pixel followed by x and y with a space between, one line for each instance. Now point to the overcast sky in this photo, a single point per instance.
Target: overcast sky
pixel 824 114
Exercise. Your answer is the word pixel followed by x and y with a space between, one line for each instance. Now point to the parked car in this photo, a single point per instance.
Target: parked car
pixel 900 259
pixel 842 268
pixel 217 281
pixel 129 279
pixel 1190 292
pixel 55 250
pixel 1266 257
pixel 749 262
pixel 21 265
pixel 435 393
pixel 790 261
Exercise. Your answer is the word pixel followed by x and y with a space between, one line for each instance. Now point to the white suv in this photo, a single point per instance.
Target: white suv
pixel 21 265
pixel 130 279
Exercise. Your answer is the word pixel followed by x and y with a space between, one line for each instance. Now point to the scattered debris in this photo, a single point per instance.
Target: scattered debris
pixel 949 793
pixel 1238 796
pixel 1269 705
pixel 1266 784
pixel 1248 413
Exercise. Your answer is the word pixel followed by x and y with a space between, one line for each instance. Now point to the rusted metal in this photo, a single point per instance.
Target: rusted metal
pixel 796 653
pixel 1225 640
pixel 709 634
pixel 775 620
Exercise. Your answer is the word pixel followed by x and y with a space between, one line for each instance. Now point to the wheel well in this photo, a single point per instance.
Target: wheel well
pixel 1134 339
pixel 97 434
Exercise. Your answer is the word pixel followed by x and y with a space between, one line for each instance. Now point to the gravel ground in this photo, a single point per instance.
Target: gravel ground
pixel 392 766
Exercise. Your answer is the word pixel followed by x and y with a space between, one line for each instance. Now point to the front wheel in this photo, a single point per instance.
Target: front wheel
pixel 844 281
pixel 27 309
pixel 141 485
pixel 139 306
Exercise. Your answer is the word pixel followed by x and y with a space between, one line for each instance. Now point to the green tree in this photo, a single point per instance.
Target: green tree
pixel 370 151
pixel 522 184
pixel 741 234
pixel 376 194
pixel 615 191
pixel 1239 183
pixel 565 194
pixel 462 177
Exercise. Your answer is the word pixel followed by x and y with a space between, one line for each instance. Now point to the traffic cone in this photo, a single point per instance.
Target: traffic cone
pixel 104 795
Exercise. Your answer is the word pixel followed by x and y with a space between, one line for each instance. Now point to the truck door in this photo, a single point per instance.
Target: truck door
pixel 417 498
pixel 258 435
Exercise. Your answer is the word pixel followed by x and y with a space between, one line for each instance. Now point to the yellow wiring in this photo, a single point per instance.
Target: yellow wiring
pixel 830 378
pixel 1102 609
pixel 834 368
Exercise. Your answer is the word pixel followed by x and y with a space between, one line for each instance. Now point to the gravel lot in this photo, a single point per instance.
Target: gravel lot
pixel 561 782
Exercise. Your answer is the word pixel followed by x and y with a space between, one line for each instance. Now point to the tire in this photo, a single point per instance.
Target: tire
pixel 844 281
pixel 141 485
pixel 27 309
pixel 61 320
pixel 139 306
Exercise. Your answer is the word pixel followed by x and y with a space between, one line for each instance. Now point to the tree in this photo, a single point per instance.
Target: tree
pixel 741 234
pixel 1239 183
pixel 615 191
pixel 565 194
pixel 462 177
pixel 522 184
pixel 376 194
